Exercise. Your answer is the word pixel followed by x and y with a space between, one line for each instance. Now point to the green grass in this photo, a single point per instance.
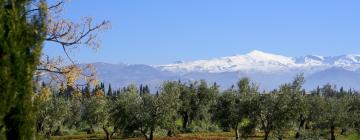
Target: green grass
pixel 350 137
pixel 189 136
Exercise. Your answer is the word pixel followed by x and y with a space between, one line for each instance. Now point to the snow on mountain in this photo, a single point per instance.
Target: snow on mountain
pixel 349 62
pixel 255 60
pixel 258 61
pixel 267 70
pixel 310 59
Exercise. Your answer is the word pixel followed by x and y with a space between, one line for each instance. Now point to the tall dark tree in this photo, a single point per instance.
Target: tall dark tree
pixel 144 90
pixel 110 92
pixel 21 38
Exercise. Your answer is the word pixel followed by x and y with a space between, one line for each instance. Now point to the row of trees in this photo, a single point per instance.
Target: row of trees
pixel 198 106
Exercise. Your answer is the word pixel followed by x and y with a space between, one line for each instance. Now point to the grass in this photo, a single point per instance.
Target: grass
pixel 186 136
pixel 350 137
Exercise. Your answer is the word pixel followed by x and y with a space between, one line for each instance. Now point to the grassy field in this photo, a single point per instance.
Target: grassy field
pixel 186 136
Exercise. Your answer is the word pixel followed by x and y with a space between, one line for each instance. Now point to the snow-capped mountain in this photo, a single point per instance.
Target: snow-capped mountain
pixel 267 70
pixel 255 60
pixel 258 61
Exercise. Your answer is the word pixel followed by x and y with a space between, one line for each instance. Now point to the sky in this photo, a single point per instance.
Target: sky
pixel 164 31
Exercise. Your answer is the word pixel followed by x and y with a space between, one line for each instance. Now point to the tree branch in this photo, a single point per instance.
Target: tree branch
pixel 48 70
pixel 51 7
pixel 76 41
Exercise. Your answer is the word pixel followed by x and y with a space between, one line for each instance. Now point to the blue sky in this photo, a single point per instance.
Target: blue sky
pixel 164 31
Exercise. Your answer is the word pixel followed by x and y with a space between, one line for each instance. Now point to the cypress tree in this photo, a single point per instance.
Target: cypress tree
pixel 86 90
pixel 21 38
pixel 102 87
pixel 141 90
pixel 146 89
pixel 109 93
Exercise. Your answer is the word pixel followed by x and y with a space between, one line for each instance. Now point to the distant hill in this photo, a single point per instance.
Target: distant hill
pixel 267 70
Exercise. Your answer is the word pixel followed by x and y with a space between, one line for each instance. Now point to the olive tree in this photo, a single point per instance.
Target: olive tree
pixel 125 110
pixel 94 112
pixel 275 113
pixel 354 113
pixel 196 99
pixel 236 109
pixel 227 113
pixel 334 114
pixel 158 111
pixel 52 111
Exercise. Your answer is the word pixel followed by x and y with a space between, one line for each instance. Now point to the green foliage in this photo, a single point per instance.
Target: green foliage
pixel 227 112
pixel 169 102
pixel 353 120
pixel 73 118
pixel 21 38
pixel 284 113
pixel 280 109
pixel 334 112
pixel 275 112
pixel 238 110
pixel 51 114
pixel 95 112
pixel 196 99
pixel 125 109
pixel 145 113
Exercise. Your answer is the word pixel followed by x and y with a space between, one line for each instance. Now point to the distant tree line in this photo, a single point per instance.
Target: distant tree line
pixel 182 107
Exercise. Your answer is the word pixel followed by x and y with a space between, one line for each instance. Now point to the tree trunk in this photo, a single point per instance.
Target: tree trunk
pixel 307 125
pixel 152 129
pixel 298 135
pixel 343 131
pixel 146 136
pixel 237 134
pixel 90 130
pixel 108 134
pixel 48 133
pixel 169 133
pixel 151 135
pixel 266 137
pixel 39 127
pixel 112 134
pixel 108 137
pixel 58 132
pixel 185 121
pixel 332 131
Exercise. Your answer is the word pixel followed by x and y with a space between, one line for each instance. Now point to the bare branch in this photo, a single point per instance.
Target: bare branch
pixel 48 70
pixel 69 35
pixel 49 8
pixel 77 40
pixel 67 55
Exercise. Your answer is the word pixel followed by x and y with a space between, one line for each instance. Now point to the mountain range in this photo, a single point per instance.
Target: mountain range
pixel 265 69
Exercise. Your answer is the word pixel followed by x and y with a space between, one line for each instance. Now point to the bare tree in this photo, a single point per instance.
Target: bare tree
pixel 69 36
